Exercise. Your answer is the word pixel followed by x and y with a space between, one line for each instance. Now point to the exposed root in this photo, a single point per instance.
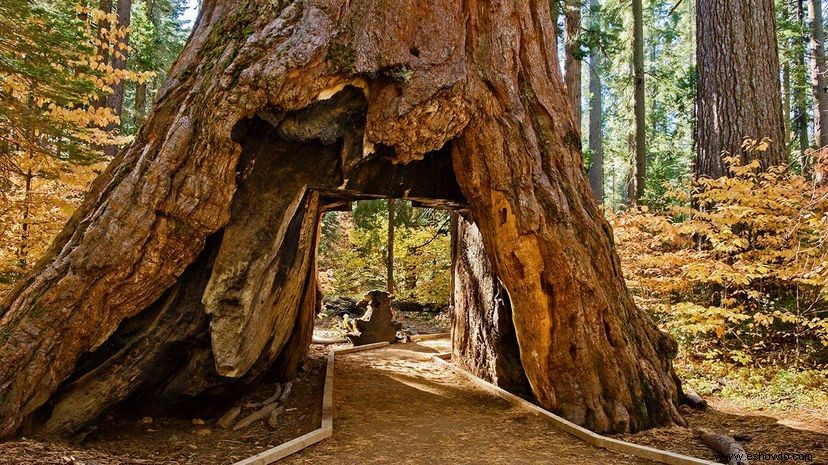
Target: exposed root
pixel 724 445
pixel 260 414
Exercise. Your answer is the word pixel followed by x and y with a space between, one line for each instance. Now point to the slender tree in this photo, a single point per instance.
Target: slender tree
pixel 596 141
pixel 640 109
pixel 738 89
pixel 800 78
pixel 572 66
pixel 389 263
pixel 818 70
pixel 115 101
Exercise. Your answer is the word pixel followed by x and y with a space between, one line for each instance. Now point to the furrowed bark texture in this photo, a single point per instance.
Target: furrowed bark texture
pixel 274 109
pixel 482 333
pixel 739 89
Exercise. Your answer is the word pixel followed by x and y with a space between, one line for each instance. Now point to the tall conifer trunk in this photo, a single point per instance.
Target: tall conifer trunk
pixel 738 89
pixel 596 112
pixel 640 104
pixel 572 66
pixel 819 83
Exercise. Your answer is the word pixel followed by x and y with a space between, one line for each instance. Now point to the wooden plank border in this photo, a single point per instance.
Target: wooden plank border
pixel 325 431
pixel 591 438
pixel 426 337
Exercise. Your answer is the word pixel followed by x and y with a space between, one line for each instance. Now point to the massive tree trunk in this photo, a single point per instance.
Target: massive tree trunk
pixel 596 113
pixel 482 333
pixel 738 90
pixel 819 84
pixel 640 104
pixel 274 107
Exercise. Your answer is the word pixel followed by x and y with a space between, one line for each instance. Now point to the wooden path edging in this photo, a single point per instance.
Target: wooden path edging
pixel 325 430
pixel 591 438
pixel 426 337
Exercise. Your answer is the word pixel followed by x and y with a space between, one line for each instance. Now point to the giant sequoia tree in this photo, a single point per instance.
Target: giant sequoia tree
pixel 189 270
pixel 738 90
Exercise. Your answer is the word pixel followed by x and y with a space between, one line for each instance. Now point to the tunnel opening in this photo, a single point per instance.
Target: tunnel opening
pixel 245 310
pixel 392 246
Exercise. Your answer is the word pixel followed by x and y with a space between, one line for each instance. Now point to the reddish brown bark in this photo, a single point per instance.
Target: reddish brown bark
pixel 271 103
pixel 483 336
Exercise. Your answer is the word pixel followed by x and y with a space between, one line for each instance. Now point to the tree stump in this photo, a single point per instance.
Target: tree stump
pixel 377 324
pixel 190 266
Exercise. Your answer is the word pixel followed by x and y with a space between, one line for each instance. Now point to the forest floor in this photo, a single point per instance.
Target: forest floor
pixel 396 405
pixel 330 326
pixel 766 431
pixel 143 435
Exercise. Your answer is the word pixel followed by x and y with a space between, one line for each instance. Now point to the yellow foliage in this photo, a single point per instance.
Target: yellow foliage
pixel 738 266
pixel 53 127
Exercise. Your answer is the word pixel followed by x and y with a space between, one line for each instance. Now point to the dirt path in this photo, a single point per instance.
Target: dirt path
pixel 395 405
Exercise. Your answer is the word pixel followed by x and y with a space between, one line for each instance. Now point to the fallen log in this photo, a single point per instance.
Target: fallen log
pixel 328 342
pixel 693 399
pixel 727 447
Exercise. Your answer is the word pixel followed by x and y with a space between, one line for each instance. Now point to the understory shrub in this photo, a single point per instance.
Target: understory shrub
pixel 736 269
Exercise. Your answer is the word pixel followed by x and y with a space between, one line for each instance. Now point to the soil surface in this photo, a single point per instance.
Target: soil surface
pixel 764 432
pixel 395 405
pixel 140 434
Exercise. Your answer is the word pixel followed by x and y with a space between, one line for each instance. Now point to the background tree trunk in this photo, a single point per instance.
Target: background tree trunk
pixel 269 105
pixel 572 66
pixel 140 103
pixel 738 89
pixel 800 104
pixel 596 111
pixel 115 100
pixel 640 104
pixel 389 259
pixel 818 70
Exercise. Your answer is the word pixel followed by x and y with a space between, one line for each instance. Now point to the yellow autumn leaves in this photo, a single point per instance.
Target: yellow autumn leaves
pixel 735 262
